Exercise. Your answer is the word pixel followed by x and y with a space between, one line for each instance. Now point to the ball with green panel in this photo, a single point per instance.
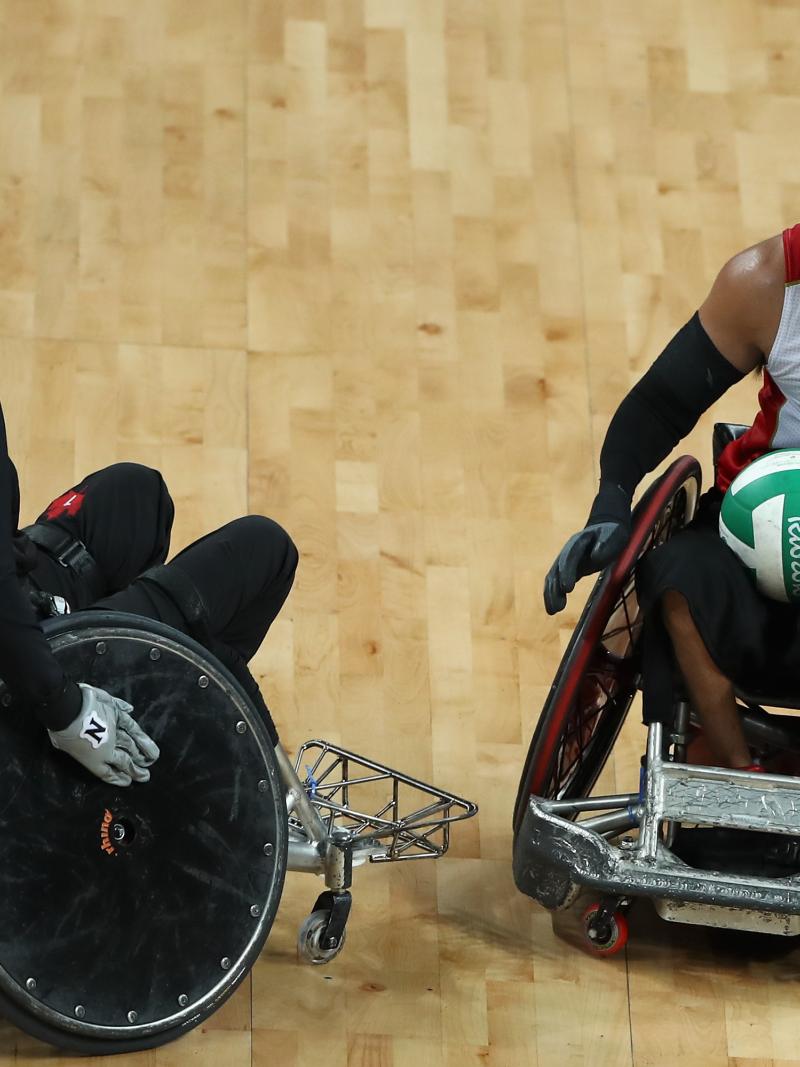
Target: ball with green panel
pixel 760 521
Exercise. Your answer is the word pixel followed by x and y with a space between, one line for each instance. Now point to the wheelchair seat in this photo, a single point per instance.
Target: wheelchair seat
pixel 723 434
pixel 754 698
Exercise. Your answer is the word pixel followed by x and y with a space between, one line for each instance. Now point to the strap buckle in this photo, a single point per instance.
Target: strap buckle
pixel 49 605
pixel 68 551
pixel 75 555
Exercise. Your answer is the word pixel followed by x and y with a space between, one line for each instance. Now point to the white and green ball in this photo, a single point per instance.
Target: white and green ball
pixel 760 521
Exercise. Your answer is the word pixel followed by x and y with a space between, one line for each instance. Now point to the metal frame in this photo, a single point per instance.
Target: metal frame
pixel 672 793
pixel 329 836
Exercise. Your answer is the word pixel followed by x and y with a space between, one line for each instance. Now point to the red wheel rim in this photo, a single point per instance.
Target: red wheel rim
pixel 598 675
pixel 621 933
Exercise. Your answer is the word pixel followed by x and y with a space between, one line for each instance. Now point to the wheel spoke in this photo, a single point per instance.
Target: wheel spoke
pixel 609 634
pixel 576 735
pixel 608 681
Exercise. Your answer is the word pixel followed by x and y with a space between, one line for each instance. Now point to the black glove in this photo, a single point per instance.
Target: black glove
pixel 591 549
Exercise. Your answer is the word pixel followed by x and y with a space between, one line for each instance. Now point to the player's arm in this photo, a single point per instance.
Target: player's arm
pixel 27 664
pixel 89 724
pixel 723 341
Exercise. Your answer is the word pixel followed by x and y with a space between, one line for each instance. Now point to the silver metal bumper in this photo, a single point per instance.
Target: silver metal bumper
pixel 761 922
pixel 548 841
pixel 553 854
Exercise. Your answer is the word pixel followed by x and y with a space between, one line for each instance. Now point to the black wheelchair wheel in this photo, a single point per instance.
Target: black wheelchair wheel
pixel 129 915
pixel 599 673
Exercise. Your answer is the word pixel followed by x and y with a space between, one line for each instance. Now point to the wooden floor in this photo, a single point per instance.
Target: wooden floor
pixel 382 269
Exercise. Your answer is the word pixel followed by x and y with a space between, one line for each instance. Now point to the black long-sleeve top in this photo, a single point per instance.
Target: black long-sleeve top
pixel 27 665
pixel 661 409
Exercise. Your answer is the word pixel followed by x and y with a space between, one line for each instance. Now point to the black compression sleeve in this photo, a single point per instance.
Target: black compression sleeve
pixel 27 665
pixel 660 410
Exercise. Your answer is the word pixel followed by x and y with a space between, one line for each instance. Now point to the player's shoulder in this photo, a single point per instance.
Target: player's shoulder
pixel 759 267
pixel 743 309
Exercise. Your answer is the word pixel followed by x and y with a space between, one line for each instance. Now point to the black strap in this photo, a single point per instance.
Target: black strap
pixel 68 552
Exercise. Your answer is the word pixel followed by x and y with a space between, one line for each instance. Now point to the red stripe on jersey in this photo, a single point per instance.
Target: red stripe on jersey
pixel 791 253
pixel 758 439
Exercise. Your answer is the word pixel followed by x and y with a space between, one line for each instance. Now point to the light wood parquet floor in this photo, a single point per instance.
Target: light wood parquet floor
pixel 382 269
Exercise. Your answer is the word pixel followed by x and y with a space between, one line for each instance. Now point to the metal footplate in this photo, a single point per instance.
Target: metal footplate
pixel 553 854
pixel 713 796
pixel 382 814
pixel 710 796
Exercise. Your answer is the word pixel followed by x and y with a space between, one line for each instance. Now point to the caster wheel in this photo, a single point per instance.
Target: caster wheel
pixel 605 938
pixel 309 939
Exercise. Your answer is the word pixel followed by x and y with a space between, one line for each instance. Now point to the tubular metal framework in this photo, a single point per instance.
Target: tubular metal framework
pixel 379 813
pixel 645 866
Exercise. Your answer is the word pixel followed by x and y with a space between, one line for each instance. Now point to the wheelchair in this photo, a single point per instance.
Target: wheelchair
pixel 708 846
pixel 131 914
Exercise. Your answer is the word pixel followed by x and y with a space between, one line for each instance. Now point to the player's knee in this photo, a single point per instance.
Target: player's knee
pixel 687 641
pixel 677 618
pixel 664 575
pixel 266 538
pixel 145 488
pixel 675 609
pixel 139 482
pixel 138 477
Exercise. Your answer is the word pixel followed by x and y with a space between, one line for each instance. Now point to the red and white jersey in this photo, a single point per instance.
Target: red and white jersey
pixel 777 425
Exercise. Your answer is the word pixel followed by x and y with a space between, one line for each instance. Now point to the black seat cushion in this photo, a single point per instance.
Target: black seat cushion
pixel 724 433
pixel 769 700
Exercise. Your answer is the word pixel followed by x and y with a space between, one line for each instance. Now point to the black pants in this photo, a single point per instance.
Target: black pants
pixel 243 571
pixel 754 641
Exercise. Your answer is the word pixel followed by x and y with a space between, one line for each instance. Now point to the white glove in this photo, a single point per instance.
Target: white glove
pixel 107 740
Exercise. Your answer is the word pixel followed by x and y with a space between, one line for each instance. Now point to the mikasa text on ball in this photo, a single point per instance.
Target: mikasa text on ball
pixel 760 521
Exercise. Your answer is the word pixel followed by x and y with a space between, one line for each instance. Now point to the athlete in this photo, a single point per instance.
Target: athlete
pixel 103 544
pixel 722 630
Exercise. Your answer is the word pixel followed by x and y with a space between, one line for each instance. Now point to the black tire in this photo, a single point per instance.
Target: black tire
pixel 196 879
pixel 599 673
